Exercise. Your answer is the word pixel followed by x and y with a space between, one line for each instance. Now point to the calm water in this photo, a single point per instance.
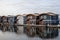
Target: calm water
pixel 20 36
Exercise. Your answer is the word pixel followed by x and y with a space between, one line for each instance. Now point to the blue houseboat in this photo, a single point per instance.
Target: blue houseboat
pixel 47 19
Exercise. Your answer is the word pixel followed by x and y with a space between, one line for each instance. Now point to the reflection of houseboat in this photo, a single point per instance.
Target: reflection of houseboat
pixel 20 21
pixel 47 19
pixel 30 19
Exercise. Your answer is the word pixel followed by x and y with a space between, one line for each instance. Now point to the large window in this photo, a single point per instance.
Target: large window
pixel 43 17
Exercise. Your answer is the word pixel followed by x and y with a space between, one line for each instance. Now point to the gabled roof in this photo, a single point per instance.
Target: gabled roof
pixel 48 13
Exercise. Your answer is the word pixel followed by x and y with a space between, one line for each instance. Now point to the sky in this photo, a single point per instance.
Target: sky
pixel 15 7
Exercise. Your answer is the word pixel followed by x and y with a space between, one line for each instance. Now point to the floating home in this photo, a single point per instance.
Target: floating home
pixel 4 22
pixel 47 19
pixel 20 21
pixel 30 19
pixel 11 20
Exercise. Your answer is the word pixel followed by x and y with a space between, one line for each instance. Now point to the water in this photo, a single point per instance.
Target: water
pixel 21 36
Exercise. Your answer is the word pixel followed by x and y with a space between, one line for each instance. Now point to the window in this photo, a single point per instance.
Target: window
pixel 43 17
pixel 30 17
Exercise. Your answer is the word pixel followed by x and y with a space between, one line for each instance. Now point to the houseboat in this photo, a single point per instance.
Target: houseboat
pixel 4 22
pixel 30 19
pixel 47 19
pixel 11 20
pixel 20 21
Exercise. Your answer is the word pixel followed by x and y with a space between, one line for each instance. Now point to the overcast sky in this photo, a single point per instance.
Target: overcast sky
pixel 14 7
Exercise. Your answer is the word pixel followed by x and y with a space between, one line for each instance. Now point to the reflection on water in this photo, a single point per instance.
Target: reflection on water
pixel 20 36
